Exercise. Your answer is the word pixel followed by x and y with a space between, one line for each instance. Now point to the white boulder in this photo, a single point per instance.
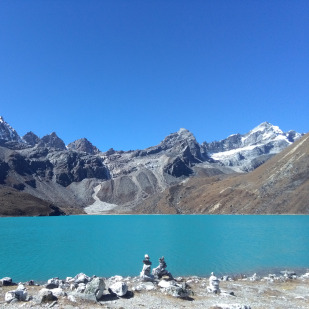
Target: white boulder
pixel 119 288
pixel 81 278
pixel 9 296
pixel 58 292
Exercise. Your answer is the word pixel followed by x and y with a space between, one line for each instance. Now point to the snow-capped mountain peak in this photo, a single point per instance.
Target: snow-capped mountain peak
pixel 266 127
pixel 253 148
pixel 262 134
pixel 7 133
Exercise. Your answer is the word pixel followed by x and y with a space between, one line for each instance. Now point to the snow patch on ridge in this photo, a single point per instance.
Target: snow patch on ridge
pixel 224 154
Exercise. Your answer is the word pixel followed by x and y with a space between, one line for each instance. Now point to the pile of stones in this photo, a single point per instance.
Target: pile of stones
pixel 163 278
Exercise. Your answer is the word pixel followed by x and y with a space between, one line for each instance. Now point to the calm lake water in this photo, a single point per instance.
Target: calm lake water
pixel 40 248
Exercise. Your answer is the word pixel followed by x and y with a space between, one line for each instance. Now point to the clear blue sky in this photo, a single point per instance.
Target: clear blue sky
pixel 125 74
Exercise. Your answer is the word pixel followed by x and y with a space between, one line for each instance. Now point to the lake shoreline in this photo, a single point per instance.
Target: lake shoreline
pixel 284 291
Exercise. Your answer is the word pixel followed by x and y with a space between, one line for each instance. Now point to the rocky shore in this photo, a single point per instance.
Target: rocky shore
pixel 286 290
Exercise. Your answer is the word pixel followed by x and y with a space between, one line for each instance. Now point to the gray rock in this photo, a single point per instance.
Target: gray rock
pixel 147 286
pixel 54 283
pixel 81 288
pixel 46 296
pixel 21 293
pixel 119 288
pixel 6 281
pixel 58 292
pixel 81 278
pixel 174 289
pixel 82 296
pixel 96 287
pixel 50 286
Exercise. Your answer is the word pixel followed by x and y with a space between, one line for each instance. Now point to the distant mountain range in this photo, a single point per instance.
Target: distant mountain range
pixel 43 176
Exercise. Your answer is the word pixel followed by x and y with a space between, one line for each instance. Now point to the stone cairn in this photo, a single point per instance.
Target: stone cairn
pixel 145 274
pixel 213 284
pixel 160 271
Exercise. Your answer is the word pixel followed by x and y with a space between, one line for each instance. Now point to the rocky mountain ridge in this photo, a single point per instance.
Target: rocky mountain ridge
pixel 78 177
pixel 280 185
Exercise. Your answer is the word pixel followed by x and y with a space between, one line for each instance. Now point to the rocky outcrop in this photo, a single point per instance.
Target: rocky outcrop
pixel 53 141
pixel 31 139
pixel 181 143
pixel 83 145
pixel 63 167
pixel 74 167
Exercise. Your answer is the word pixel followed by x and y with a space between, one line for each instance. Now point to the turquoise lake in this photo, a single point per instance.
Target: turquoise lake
pixel 40 248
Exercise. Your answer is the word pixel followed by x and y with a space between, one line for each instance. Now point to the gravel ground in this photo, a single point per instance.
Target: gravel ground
pixel 278 293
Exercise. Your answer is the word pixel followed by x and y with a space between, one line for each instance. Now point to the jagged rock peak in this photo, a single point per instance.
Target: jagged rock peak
pixel 180 136
pixel 83 145
pixel 53 141
pixel 184 132
pixel 7 132
pixel 31 138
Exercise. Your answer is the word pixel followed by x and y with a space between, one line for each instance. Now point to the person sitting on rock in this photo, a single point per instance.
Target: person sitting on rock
pixel 160 271
pixel 145 274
